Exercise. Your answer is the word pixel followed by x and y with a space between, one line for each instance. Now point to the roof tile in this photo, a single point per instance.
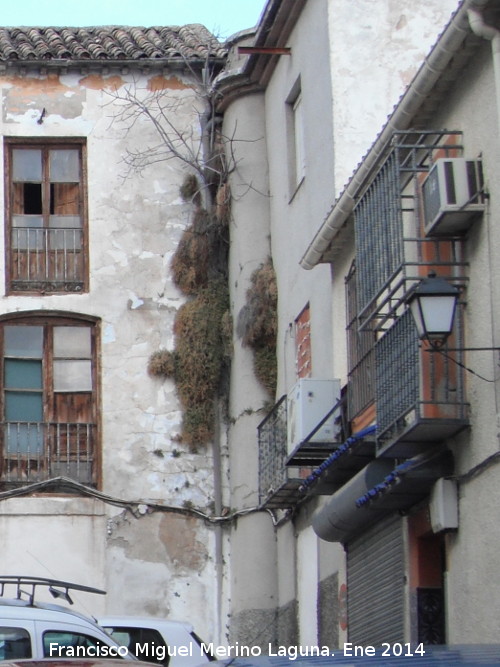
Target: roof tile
pixel 109 43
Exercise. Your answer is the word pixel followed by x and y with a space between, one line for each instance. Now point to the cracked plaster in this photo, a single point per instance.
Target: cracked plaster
pixel 134 225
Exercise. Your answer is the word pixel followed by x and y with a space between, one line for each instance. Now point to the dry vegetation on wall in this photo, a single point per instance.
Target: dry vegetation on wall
pixel 201 356
pixel 258 322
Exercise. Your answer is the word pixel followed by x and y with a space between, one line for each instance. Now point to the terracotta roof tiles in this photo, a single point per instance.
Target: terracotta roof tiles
pixel 111 43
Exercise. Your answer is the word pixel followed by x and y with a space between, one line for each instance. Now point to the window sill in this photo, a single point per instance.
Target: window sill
pixel 297 188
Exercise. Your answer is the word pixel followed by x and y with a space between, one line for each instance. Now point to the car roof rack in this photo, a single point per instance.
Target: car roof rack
pixel 58 589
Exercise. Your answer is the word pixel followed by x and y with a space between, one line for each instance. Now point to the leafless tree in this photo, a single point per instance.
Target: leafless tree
pixel 202 147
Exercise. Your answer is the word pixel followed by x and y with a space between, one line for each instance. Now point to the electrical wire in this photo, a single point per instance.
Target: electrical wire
pixel 459 363
pixel 131 505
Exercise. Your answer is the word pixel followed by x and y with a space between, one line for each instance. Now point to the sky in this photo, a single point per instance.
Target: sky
pixel 222 17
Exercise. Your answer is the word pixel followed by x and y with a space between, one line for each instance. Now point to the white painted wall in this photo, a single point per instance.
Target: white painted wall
pixel 376 48
pixel 295 216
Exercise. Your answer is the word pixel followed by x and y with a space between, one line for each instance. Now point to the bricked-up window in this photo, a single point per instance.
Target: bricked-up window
pixel 48 399
pixel 46 232
pixel 303 343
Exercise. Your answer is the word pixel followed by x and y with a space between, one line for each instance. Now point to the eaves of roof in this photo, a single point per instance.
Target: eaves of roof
pixel 441 67
pixel 104 46
pixel 273 32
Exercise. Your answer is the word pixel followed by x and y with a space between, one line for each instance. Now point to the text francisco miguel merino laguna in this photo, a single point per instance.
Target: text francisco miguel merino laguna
pixel 150 650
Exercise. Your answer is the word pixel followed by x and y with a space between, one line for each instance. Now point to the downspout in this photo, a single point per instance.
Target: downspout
pixel 490 33
pixel 482 29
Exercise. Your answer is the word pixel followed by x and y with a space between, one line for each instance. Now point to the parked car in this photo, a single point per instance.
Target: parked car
pixel 33 629
pixel 165 642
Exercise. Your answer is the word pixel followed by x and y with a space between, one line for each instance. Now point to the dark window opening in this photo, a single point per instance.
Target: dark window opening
pixel 32 198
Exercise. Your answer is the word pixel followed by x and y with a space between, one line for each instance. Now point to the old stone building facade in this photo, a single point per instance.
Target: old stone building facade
pixel 87 298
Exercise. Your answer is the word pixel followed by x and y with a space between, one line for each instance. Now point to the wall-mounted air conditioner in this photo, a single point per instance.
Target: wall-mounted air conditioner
pixel 308 403
pixel 452 196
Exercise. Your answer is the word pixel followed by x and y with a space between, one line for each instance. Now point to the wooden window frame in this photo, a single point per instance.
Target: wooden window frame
pixel 46 285
pixel 295 138
pixel 50 401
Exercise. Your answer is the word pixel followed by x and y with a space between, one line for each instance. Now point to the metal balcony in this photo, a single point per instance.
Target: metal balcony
pixel 282 472
pixel 47 260
pixel 419 395
pixel 278 485
pixel 34 452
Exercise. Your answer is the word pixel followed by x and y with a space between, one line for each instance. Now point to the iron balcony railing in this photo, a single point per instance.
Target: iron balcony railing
pixel 35 451
pixel 282 472
pixel 273 450
pixel 419 395
pixel 47 259
pixel 388 305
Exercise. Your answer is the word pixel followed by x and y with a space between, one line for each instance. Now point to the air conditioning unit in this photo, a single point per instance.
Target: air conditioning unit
pixel 452 196
pixel 308 403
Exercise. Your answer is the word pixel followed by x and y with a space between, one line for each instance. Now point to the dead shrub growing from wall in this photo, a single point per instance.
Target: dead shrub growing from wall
pixel 258 324
pixel 201 357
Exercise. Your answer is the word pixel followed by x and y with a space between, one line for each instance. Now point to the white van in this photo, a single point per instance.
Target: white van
pixel 169 643
pixel 33 629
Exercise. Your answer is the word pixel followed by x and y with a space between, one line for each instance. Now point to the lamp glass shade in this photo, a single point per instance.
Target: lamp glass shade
pixel 433 315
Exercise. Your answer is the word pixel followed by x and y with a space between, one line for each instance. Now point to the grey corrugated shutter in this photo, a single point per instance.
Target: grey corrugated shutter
pixel 375 584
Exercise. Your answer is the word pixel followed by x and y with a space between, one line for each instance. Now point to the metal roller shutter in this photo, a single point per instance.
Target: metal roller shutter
pixel 375 584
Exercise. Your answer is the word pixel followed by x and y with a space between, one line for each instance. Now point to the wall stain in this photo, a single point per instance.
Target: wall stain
pixel 99 82
pixel 178 535
pixel 158 82
pixel 27 86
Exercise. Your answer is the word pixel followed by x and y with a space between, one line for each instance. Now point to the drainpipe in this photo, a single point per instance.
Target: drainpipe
pixel 482 29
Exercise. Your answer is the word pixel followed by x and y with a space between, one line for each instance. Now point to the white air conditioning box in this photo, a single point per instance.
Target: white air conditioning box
pixel 443 505
pixel 308 403
pixel 452 196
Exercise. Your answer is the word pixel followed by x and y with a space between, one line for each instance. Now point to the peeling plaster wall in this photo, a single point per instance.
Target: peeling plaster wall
pixel 152 563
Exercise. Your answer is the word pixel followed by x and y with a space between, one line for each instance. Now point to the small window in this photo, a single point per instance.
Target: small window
pixel 15 643
pixel 295 138
pixel 46 218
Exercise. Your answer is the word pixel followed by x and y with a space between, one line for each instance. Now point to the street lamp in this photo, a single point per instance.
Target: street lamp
pixel 433 303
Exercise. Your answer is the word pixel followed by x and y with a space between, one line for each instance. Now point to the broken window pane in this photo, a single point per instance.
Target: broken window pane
pixel 27 198
pixel 64 198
